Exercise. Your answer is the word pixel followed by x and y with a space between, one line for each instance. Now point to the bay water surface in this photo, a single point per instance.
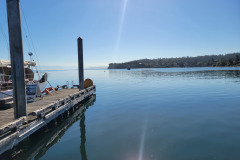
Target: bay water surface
pixel 147 114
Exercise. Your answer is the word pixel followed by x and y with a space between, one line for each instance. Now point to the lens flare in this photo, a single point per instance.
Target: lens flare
pixel 142 141
pixel 118 40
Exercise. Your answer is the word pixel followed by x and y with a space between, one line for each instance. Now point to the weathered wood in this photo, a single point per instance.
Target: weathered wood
pixel 58 131
pixel 41 112
pixel 7 115
pixel 77 86
pixel 60 87
pixel 16 52
pixel 9 126
pixel 45 110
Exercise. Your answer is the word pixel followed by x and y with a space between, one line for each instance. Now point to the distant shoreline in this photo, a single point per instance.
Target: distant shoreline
pixel 183 67
pixel 227 60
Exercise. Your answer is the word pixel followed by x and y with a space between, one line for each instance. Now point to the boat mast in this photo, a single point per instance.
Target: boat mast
pixel 17 59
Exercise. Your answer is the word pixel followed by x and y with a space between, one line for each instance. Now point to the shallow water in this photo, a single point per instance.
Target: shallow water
pixel 147 114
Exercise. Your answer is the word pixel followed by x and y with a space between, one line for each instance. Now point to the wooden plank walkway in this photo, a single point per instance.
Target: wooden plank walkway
pixel 7 115
pixel 39 114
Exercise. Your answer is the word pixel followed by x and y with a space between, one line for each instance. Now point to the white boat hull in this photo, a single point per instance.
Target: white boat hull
pixel 9 93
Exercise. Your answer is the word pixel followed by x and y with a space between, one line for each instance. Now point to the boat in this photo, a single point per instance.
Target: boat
pixel 128 68
pixel 33 87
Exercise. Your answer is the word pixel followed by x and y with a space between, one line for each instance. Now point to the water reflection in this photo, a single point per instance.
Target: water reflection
pixel 39 143
pixel 83 137
pixel 83 129
pixel 222 73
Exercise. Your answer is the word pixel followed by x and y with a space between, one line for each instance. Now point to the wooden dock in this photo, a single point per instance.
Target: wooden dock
pixel 39 114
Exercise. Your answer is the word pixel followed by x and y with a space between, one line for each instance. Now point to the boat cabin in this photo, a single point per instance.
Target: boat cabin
pixel 5 73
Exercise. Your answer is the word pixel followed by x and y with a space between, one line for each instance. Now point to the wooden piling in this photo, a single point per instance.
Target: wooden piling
pixel 16 52
pixel 80 64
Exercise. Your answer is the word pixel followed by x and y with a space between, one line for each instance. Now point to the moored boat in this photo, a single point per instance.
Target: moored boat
pixel 6 79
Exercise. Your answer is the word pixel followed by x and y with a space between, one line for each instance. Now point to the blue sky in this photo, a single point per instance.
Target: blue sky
pixel 124 30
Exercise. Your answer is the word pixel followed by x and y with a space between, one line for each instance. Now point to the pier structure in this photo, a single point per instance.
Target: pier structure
pixel 39 114
pixel 19 122
pixel 50 138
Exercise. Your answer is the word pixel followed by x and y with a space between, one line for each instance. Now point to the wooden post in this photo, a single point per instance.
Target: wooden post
pixel 80 64
pixel 17 62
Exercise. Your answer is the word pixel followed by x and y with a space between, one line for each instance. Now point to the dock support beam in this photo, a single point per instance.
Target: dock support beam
pixel 17 62
pixel 80 64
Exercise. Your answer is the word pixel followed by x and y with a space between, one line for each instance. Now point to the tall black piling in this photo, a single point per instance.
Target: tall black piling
pixel 80 64
pixel 17 60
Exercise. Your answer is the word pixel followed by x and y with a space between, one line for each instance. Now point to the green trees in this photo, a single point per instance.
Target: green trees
pixel 230 62
pixel 199 61
pixel 237 62
pixel 237 58
pixel 221 62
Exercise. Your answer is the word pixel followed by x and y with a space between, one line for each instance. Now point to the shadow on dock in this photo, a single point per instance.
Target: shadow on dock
pixel 37 144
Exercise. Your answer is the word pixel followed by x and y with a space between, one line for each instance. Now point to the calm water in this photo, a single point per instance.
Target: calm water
pixel 148 114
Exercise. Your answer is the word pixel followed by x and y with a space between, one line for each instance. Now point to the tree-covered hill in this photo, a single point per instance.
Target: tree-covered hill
pixel 232 59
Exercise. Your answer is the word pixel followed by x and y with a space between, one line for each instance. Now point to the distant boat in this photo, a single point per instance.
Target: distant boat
pixel 128 68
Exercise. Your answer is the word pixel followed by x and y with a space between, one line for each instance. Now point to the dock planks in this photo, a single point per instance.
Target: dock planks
pixel 39 114
pixel 7 115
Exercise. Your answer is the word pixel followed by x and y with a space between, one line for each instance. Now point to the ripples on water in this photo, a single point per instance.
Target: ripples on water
pixel 142 114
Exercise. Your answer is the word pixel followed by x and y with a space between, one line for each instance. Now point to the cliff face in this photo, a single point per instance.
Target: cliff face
pixel 200 61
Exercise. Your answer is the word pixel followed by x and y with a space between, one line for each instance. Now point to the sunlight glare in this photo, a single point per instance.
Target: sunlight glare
pixel 120 28
pixel 142 141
